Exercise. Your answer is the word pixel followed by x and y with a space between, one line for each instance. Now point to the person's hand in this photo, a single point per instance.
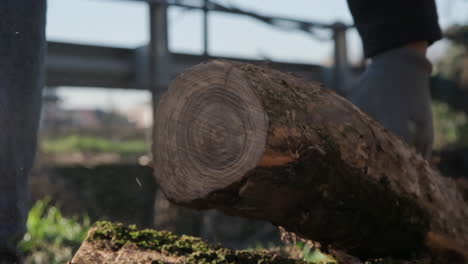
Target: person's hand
pixel 394 90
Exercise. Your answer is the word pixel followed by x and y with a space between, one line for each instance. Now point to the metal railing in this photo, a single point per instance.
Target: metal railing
pixel 153 66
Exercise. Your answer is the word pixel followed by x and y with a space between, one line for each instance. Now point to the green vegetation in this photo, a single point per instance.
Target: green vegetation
pixel 314 255
pixel 51 237
pixel 92 144
pixel 450 126
pixel 450 80
pixel 451 64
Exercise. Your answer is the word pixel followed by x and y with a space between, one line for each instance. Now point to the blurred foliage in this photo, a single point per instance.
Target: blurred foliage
pixel 450 126
pixel 314 255
pixel 51 237
pixel 450 66
pixel 458 34
pixel 92 144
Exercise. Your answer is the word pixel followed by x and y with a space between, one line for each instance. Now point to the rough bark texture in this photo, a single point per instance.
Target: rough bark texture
pixel 259 143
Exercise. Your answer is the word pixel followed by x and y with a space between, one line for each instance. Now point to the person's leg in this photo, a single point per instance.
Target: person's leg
pixel 22 51
pixel 395 87
pixel 389 24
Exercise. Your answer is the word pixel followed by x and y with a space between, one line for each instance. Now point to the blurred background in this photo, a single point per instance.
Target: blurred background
pixel 110 60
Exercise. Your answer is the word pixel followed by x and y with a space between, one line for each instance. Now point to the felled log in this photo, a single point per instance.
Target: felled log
pixel 255 142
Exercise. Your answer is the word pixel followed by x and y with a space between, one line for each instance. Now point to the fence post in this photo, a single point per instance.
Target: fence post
pixel 159 59
pixel 341 64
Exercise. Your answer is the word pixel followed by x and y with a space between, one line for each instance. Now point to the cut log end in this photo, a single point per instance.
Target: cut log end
pixel 211 139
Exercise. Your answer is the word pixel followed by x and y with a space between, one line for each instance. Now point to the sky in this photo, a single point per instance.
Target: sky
pixel 123 23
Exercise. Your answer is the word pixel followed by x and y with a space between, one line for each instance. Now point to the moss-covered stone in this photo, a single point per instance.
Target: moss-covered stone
pixel 114 236
pixel 116 243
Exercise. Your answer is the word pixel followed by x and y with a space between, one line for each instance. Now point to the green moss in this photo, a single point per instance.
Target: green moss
pixel 195 250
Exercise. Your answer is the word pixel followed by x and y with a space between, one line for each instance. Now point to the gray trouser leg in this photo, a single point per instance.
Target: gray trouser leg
pixel 22 50
pixel 394 90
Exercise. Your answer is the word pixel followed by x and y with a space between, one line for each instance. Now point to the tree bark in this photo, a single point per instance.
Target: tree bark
pixel 255 142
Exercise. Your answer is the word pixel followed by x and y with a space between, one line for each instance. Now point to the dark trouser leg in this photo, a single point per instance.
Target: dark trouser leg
pixel 389 24
pixel 22 51
pixel 394 89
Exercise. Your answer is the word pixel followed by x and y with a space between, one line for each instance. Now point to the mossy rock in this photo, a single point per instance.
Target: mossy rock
pixel 116 243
